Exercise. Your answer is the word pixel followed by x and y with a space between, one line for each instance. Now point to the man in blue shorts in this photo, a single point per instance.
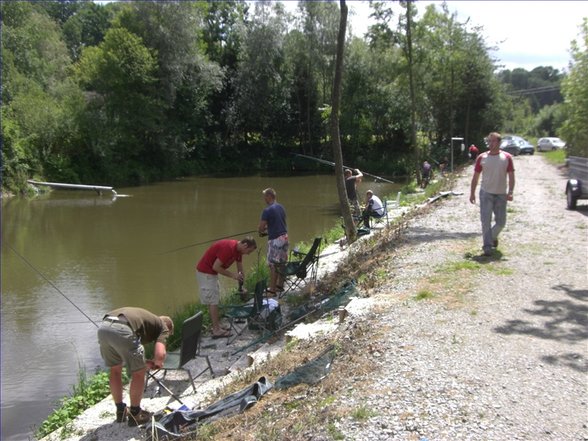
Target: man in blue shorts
pixel 273 223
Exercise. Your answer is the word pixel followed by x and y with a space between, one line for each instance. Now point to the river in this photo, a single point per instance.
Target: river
pixel 70 256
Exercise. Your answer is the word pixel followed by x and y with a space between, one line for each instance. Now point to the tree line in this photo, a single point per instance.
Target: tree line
pixel 134 92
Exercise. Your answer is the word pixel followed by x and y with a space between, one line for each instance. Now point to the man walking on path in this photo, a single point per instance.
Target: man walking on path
pixel 273 223
pixel 494 165
pixel 216 260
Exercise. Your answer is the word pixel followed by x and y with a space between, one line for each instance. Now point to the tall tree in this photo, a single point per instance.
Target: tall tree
pixel 260 113
pixel 350 229
pixel 124 112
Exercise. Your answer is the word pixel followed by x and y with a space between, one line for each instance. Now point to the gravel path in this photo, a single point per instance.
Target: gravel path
pixel 498 349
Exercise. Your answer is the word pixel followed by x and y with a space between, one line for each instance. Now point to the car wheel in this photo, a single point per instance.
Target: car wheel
pixel 532 153
pixel 571 199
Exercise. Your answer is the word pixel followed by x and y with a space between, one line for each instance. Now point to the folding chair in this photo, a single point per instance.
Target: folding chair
pixel 242 313
pixel 383 217
pixel 189 350
pixel 296 271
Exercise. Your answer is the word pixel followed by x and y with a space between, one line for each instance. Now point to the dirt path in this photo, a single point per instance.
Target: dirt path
pixel 498 347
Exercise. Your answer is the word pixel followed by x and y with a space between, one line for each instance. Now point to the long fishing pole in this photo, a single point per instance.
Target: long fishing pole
pixel 51 283
pixel 207 241
pixel 332 164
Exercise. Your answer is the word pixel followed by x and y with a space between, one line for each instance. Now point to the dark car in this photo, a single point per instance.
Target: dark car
pixel 526 147
pixel 516 145
pixel 511 146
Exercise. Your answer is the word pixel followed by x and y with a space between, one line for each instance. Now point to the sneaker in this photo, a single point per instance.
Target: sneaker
pixel 121 415
pixel 495 243
pixel 139 418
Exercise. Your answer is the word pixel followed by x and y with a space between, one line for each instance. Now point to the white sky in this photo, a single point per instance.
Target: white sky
pixel 527 33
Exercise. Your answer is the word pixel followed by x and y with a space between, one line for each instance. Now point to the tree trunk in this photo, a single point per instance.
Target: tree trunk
pixel 337 153
pixel 413 139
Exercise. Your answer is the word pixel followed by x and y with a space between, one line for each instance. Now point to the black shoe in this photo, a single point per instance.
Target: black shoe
pixel 495 243
pixel 121 415
pixel 139 418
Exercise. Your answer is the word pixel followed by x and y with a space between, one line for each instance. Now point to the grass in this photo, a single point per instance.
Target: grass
pixel 424 295
pixel 363 413
pixel 86 393
pixel 556 157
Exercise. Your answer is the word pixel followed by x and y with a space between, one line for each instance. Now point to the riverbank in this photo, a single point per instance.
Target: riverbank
pixel 443 343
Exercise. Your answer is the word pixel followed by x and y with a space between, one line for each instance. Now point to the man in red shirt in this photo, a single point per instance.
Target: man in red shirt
pixel 473 152
pixel 216 260
pixel 495 166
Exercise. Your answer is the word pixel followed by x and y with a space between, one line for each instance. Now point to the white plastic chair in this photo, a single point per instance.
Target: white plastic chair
pixel 392 205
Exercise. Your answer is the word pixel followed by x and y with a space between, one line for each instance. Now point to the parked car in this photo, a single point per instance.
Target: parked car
pixel 577 185
pixel 526 147
pixel 510 145
pixel 550 143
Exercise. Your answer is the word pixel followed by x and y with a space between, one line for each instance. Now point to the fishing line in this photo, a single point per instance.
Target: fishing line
pixel 51 283
pixel 332 164
pixel 206 241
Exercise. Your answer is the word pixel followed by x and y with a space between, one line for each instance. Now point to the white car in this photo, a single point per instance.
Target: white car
pixel 548 144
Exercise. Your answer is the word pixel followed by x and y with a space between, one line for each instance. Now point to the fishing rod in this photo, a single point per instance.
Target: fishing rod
pixel 207 241
pixel 51 283
pixel 332 164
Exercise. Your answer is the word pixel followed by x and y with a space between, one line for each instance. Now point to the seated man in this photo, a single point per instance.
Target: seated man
pixel 373 208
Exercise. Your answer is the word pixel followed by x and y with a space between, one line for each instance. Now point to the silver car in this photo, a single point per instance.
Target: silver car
pixel 550 143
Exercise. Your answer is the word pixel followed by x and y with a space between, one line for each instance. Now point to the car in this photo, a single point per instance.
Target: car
pixel 550 143
pixel 510 145
pixel 526 147
pixel 516 145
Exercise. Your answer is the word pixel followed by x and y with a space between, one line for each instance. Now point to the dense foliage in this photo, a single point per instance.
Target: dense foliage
pixel 575 89
pixel 134 92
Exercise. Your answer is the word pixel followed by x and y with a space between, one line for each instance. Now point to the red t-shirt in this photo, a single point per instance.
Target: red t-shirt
pixel 224 250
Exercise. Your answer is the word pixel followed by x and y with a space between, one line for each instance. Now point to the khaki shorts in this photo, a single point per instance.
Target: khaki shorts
pixel 119 344
pixel 209 288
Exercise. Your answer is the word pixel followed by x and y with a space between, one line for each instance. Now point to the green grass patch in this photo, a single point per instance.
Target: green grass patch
pixel 335 433
pixel 556 157
pixel 362 413
pixel 424 295
pixel 454 267
pixel 500 270
pixel 86 393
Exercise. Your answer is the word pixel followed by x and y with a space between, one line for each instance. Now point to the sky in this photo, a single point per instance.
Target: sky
pixel 527 33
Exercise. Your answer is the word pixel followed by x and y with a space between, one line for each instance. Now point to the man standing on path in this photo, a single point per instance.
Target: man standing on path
pixel 216 260
pixel 494 165
pixel 273 223
pixel 351 182
pixel 121 336
pixel 473 151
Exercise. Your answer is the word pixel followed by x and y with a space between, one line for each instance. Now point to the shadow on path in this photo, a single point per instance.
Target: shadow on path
pixel 564 320
pixel 432 234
